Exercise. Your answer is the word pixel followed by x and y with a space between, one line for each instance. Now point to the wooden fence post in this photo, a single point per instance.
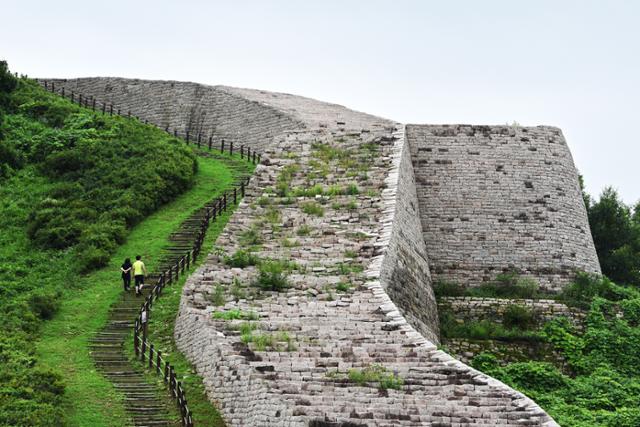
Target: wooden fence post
pixel 136 338
pixel 241 151
pixel 210 141
pixel 187 137
pixel 242 189
pixel 231 147
pixel 143 347
pixel 158 362
pixel 222 146
pixel 151 356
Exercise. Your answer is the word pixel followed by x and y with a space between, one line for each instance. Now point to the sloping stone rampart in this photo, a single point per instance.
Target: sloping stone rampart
pixel 359 276
pixel 215 111
pixel 500 198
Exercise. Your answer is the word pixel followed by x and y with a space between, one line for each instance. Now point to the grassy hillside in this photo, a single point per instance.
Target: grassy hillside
pixel 73 186
pixel 90 399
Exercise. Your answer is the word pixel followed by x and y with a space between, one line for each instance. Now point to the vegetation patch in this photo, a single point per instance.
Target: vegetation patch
pixel 506 285
pixel 376 374
pixel 235 314
pixel 312 208
pixel 241 259
pixel 272 275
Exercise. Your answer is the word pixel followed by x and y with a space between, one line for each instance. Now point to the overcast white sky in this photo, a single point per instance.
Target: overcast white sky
pixel 572 64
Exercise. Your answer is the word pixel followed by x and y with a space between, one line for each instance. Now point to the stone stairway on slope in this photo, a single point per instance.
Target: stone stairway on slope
pixel 146 404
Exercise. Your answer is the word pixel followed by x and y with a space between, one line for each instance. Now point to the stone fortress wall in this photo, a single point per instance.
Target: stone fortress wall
pixel 389 315
pixel 495 199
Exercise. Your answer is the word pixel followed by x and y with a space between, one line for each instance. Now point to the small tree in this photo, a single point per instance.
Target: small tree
pixel 616 235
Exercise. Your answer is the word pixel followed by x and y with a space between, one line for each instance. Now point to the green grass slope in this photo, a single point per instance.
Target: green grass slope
pixel 90 399
pixel 79 192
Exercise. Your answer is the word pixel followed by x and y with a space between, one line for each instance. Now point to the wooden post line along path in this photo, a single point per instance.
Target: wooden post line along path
pixel 108 345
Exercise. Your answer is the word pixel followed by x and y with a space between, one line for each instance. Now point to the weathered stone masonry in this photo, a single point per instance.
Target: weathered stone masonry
pixel 500 198
pixel 388 315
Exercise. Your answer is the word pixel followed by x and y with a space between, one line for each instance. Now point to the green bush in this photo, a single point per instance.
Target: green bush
pixel 506 285
pixel 312 208
pixel 251 237
pixel 241 259
pixel 44 305
pixel 235 315
pixel 631 310
pixel 376 373
pixel 443 288
pixel 518 316
pixel 539 376
pixel 582 291
pixel 272 276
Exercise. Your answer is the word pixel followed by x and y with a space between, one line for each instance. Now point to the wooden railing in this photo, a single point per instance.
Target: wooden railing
pixel 189 137
pixel 144 350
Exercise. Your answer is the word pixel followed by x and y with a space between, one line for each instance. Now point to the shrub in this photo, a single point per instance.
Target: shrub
pixel 539 376
pixel 518 316
pixel 303 230
pixel 343 287
pixel 507 285
pixel 272 276
pixel 376 373
pixel 350 254
pixel 237 291
pixel 351 190
pixel 251 237
pixel 8 84
pixel 582 291
pixel 71 161
pixel 312 208
pixel 443 288
pixel 345 268
pixel 272 215
pixel 241 259
pixel 235 314
pixel 52 114
pixel 315 190
pixel 90 257
pixel 485 362
pixel 219 298
pixel 484 330
pixel 631 310
pixel 44 305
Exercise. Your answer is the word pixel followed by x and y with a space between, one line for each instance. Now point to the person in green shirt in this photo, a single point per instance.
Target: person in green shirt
pixel 139 270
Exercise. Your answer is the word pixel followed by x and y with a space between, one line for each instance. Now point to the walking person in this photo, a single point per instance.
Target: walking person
pixel 126 274
pixel 139 270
